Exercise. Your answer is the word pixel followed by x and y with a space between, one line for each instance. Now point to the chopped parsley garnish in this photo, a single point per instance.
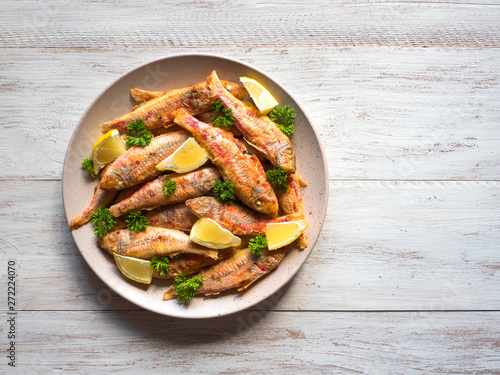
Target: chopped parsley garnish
pixel 224 191
pixel 225 117
pixel 277 177
pixel 103 221
pixel 160 265
pixel 185 288
pixel 257 244
pixel 169 186
pixel 136 221
pixel 88 164
pixel 138 134
pixel 284 117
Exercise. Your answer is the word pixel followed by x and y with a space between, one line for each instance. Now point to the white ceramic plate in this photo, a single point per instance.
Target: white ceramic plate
pixel 172 72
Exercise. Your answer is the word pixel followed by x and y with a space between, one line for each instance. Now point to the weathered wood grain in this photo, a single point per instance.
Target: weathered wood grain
pixel 110 24
pixel 384 246
pixel 391 113
pixel 258 342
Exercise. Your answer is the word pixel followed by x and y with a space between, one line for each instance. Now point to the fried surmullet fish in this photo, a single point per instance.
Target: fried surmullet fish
pixel 157 112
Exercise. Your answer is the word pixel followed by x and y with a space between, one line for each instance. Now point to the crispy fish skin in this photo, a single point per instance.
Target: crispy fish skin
pixel 138 164
pixel 238 271
pixel 290 201
pixel 234 217
pixel 190 263
pixel 244 171
pixel 153 241
pixel 175 216
pixel 101 198
pixel 150 196
pixel 155 113
pixel 259 130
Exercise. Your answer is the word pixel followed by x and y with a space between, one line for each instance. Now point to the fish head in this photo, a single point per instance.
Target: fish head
pixel 202 206
pixel 263 203
pixel 285 157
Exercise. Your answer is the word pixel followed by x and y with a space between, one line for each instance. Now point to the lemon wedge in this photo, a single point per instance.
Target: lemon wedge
pixel 106 149
pixel 282 234
pixel 134 268
pixel 189 156
pixel 208 233
pixel 262 98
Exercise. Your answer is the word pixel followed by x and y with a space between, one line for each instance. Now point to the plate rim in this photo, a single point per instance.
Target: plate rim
pixel 180 56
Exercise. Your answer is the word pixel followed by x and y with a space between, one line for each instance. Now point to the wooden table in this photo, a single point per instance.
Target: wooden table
pixel 405 276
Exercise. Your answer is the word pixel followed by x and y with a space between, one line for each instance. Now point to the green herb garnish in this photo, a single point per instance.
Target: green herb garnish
pixel 169 186
pixel 284 117
pixel 185 288
pixel 103 221
pixel 224 191
pixel 160 265
pixel 277 177
pixel 225 118
pixel 217 105
pixel 88 164
pixel 257 244
pixel 142 135
pixel 136 221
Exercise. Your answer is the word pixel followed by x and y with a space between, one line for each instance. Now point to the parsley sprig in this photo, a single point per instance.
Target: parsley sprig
pixel 161 265
pixel 138 134
pixel 169 186
pixel 185 288
pixel 284 117
pixel 103 221
pixel 277 177
pixel 88 164
pixel 257 244
pixel 225 117
pixel 136 221
pixel 224 191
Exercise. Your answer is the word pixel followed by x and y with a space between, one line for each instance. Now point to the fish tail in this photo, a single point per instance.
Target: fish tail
pixel 169 294
pixel 101 197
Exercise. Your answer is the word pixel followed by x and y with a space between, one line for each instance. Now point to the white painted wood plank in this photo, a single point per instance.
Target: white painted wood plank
pixel 110 24
pixel 384 246
pixel 382 113
pixel 258 342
